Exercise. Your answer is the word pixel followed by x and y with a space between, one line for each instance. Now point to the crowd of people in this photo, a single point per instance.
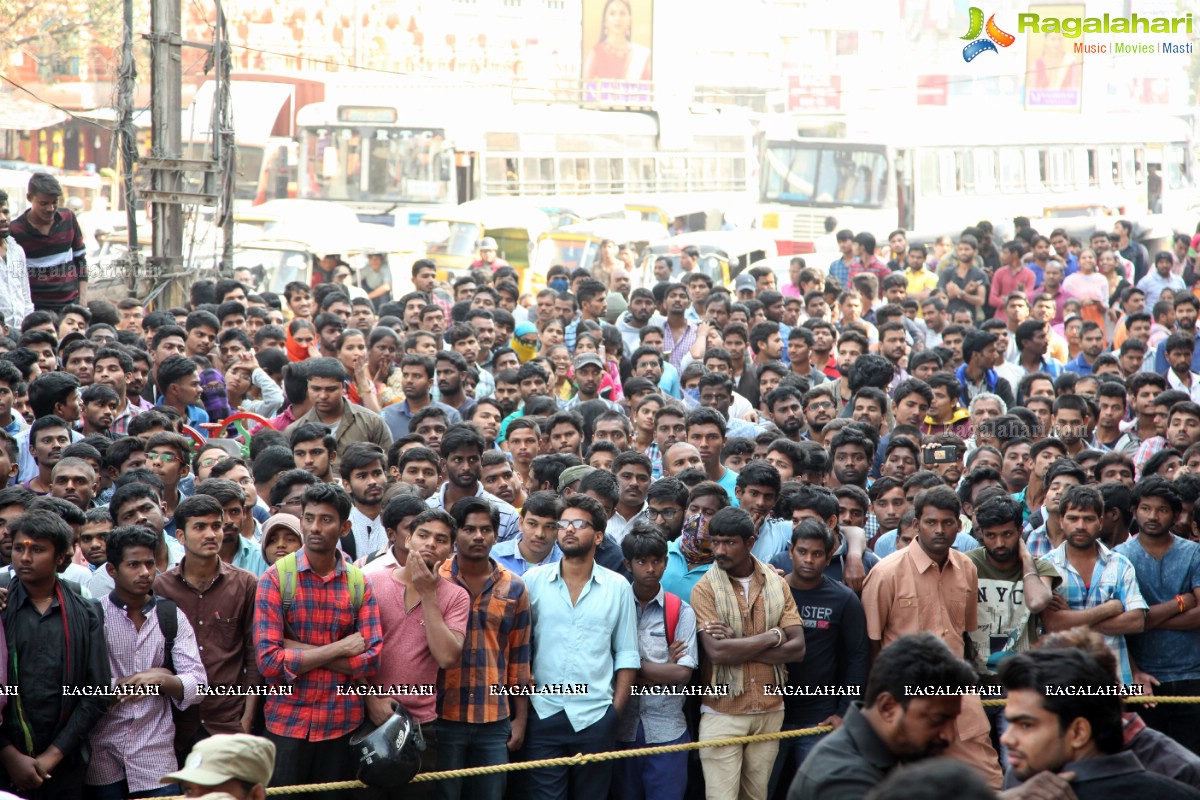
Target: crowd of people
pixel 601 517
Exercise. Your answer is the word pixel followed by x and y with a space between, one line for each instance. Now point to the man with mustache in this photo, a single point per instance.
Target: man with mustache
pixel 218 600
pixel 577 601
pixel 944 585
pixel 424 622
pixel 890 725
pixel 364 474
pixel 747 635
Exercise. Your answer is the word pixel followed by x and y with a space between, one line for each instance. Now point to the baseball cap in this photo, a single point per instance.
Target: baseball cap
pixel 745 283
pixel 226 757
pixel 488 243
pixel 572 474
pixel 289 521
pixel 588 358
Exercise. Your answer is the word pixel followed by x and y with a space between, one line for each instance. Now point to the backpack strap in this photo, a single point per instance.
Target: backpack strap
pixel 287 569
pixel 168 622
pixel 671 606
pixel 358 584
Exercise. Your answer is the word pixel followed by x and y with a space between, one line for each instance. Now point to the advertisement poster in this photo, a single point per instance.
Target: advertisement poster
pixel 617 52
pixel 1053 70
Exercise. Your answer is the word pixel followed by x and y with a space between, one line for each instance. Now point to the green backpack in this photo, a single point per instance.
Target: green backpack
pixel 287 569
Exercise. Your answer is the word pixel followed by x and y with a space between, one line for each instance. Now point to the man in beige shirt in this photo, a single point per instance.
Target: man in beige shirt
pixel 749 629
pixel 929 586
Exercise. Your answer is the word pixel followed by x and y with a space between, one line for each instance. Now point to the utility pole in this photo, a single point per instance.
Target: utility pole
pixel 127 141
pixel 224 144
pixel 166 93
pixel 166 163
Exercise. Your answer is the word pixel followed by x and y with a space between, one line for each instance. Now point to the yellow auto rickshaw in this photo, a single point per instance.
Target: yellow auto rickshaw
pixel 452 237
pixel 723 254
pixel 579 245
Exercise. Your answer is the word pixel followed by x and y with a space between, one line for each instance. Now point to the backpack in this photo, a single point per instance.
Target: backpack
pixel 671 606
pixel 288 570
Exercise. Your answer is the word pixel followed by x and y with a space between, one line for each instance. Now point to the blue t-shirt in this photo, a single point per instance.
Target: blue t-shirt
pixel 728 482
pixel 1167 655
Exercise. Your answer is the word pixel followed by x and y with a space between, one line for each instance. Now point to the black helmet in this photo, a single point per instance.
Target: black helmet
pixel 390 755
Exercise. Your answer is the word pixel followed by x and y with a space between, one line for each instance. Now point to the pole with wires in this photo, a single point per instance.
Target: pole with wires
pixel 127 140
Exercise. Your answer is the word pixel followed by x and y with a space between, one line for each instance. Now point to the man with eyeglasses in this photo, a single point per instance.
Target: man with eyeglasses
pixel 590 611
pixel 665 504
pixel 288 492
pixel 166 457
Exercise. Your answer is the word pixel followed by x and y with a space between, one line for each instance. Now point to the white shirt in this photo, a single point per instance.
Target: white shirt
pixel 369 534
pixel 15 301
pixel 1173 382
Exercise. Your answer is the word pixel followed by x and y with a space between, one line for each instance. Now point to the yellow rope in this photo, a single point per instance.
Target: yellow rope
pixel 580 759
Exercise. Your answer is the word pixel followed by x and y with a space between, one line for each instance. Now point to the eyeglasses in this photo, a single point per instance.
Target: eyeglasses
pixel 166 458
pixel 210 462
pixel 577 524
pixel 667 514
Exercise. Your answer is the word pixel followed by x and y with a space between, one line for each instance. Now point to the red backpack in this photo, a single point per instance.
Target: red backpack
pixel 671 606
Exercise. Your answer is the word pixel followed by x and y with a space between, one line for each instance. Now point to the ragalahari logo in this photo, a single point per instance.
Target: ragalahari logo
pixel 995 36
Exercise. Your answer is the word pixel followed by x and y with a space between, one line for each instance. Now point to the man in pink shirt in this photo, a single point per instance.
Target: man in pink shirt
pixel 424 621
pixel 1013 277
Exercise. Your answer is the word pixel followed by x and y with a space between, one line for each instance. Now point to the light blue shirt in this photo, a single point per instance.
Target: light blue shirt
pixel 1153 285
pixel 677 578
pixel 508 555
pixel 249 557
pixel 586 643
pixel 774 537
pixel 728 482
pixel 669 382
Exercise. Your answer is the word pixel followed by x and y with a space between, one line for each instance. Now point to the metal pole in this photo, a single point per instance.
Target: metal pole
pixel 127 141
pixel 166 88
pixel 223 140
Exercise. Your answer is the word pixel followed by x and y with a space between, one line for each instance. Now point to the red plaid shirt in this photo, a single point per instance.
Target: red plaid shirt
pixel 875 266
pixel 321 613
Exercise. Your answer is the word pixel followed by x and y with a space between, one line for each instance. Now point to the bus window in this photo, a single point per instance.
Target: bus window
pixel 1012 170
pixel 964 168
pixel 1129 176
pixel 1139 165
pixel 985 171
pixel 1060 168
pixel 1176 166
pixel 1035 169
pixel 927 171
pixel 498 177
pixel 948 172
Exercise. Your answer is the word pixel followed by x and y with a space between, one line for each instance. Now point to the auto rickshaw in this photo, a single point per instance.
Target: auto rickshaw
pixel 290 254
pixel 579 245
pixel 452 237
pixel 723 254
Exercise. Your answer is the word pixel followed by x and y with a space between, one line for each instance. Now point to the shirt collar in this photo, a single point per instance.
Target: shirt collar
pixel 119 603
pixel 921 559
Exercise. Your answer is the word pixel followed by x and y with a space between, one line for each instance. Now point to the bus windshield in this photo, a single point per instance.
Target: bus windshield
pixel 398 165
pixel 822 174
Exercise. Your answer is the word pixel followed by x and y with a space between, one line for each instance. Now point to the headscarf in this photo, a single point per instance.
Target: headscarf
pixel 296 352
pixel 524 351
pixel 694 542
pixel 213 395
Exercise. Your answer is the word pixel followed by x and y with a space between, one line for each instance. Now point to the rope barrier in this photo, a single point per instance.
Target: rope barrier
pixel 580 759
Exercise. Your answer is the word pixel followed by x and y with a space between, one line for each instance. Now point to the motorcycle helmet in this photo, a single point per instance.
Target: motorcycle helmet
pixel 389 755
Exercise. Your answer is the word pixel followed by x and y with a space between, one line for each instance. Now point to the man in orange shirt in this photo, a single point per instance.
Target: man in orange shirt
pixel 928 586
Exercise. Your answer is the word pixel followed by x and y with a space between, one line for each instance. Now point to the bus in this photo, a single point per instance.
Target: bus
pixel 397 162
pixel 941 174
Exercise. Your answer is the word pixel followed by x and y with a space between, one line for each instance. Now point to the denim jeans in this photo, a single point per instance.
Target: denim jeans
pixel 553 737
pixel 792 753
pixel 465 744
pixel 661 777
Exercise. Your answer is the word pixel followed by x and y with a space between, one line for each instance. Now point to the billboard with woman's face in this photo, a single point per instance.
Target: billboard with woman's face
pixel 617 63
pixel 1053 71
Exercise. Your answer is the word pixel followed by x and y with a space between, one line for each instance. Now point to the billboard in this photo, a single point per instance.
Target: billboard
pixel 617 52
pixel 1053 70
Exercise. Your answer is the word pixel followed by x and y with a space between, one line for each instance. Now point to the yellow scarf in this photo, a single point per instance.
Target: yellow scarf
pixel 774 599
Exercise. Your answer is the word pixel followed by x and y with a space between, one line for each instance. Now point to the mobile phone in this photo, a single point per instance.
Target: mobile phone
pixel 947 454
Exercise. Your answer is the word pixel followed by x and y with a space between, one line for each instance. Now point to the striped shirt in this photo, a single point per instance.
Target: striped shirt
pixel 1112 577
pixel 57 261
pixel 495 651
pixel 322 613
pixel 135 742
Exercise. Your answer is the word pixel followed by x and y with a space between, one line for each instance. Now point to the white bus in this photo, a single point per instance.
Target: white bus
pixel 398 160
pixel 940 174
